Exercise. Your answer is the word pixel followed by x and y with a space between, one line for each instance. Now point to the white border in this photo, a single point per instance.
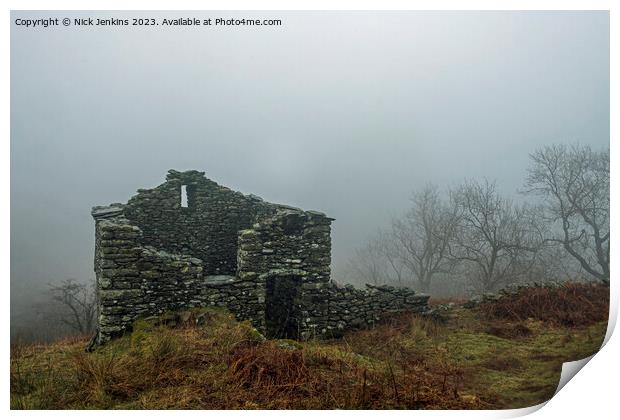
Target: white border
pixel 592 394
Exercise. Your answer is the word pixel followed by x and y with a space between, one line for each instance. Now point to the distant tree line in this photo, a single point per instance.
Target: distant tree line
pixel 471 239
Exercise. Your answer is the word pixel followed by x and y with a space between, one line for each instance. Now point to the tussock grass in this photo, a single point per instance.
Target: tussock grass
pixel 471 361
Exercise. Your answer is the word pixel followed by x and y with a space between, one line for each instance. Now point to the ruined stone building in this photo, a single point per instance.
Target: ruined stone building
pixel 190 242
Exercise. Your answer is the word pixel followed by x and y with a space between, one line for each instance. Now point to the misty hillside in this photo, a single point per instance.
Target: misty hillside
pixel 503 352
pixel 350 121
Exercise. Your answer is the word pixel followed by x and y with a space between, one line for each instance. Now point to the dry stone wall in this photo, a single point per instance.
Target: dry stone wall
pixel 292 247
pixel 135 280
pixel 207 228
pixel 351 308
pixel 265 262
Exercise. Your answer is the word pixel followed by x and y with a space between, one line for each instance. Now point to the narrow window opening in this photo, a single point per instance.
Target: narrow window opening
pixel 183 195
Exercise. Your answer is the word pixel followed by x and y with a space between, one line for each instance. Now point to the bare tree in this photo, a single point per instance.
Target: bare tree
pixel 77 303
pixel 552 264
pixel 422 238
pixel 574 184
pixel 369 264
pixel 496 239
pixel 388 248
pixel 379 262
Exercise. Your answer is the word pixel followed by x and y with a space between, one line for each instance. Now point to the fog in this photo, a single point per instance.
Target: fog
pixel 345 113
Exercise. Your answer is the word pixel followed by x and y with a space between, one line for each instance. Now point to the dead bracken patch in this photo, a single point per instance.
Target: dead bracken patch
pixel 570 305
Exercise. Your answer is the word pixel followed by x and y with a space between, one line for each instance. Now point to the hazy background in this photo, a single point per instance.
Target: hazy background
pixel 345 113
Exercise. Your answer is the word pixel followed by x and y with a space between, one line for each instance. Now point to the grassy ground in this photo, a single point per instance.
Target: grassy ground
pixel 473 359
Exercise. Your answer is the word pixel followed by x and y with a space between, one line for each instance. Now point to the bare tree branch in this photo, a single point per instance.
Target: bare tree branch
pixel 497 238
pixel 77 305
pixel 574 184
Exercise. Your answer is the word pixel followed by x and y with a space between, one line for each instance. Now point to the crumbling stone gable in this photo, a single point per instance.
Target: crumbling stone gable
pixel 265 262
pixel 207 228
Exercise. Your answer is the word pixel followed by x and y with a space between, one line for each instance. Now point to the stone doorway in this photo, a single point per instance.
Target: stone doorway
pixel 282 312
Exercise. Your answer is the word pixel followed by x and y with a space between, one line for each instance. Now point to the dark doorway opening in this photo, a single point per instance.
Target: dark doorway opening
pixel 282 314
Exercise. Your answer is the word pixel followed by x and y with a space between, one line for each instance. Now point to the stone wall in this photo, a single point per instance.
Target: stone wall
pixel 293 246
pixel 242 297
pixel 351 308
pixel 207 228
pixel 265 262
pixel 135 280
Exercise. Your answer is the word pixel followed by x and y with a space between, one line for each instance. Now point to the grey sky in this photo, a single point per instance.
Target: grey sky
pixel 345 113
